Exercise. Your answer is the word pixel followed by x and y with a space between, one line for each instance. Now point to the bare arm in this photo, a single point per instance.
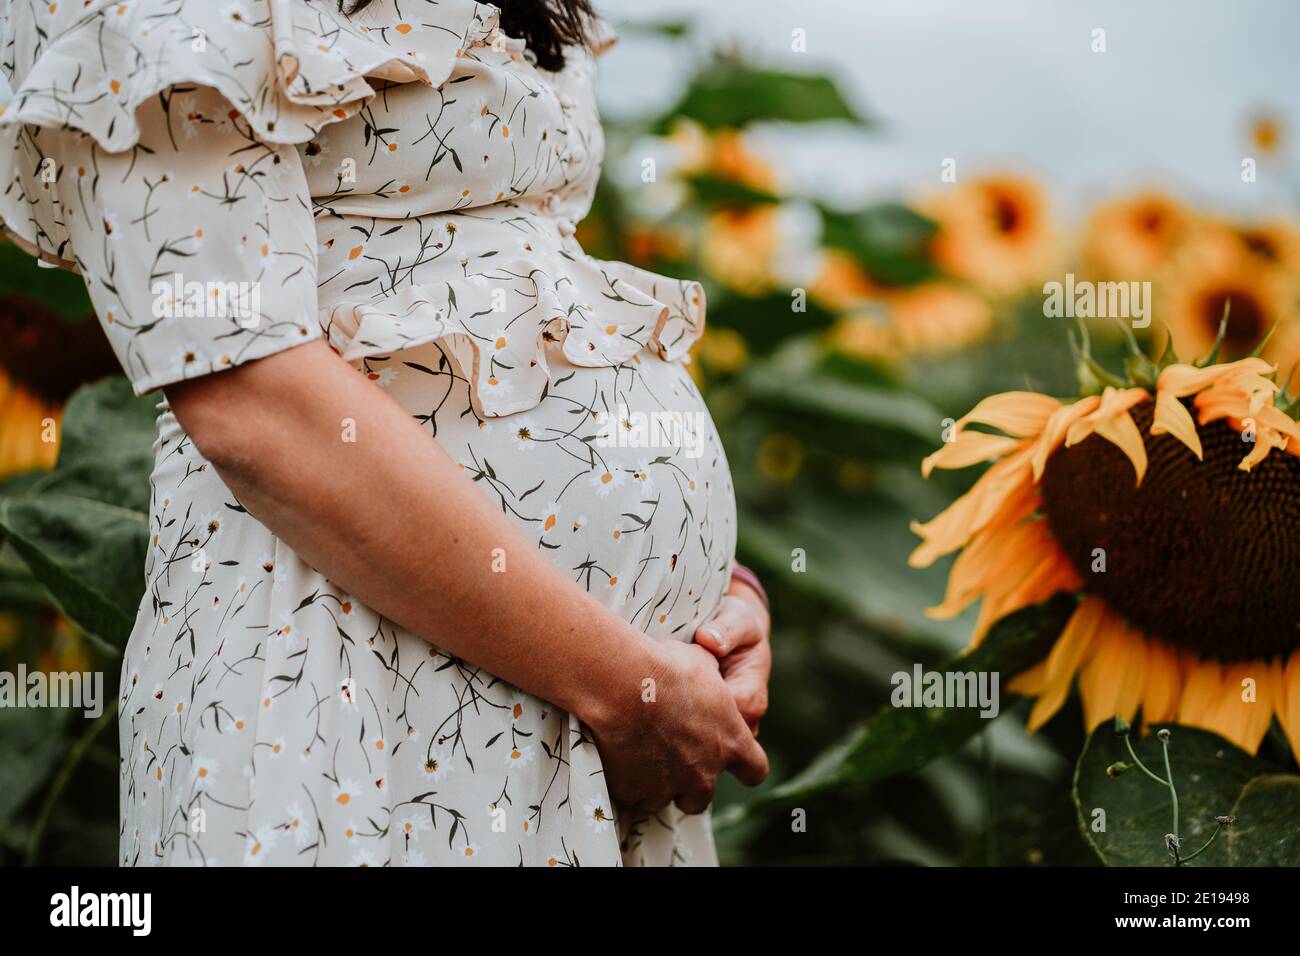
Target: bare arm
pixel 391 518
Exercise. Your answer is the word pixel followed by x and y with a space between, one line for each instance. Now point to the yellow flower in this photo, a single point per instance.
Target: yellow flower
pixel 722 350
pixel 739 245
pixel 994 231
pixel 1135 237
pixel 1171 530
pixel 865 335
pixel 733 160
pixel 840 283
pixel 26 421
pixel 1221 269
pixel 937 317
pixel 1266 133
pixel 924 319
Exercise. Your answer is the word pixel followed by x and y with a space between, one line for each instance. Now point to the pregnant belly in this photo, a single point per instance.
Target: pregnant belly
pixel 618 476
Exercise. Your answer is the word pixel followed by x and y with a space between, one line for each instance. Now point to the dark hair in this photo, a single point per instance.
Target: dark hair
pixel 547 26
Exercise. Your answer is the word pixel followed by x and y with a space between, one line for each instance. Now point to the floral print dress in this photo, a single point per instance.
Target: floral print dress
pixel 233 179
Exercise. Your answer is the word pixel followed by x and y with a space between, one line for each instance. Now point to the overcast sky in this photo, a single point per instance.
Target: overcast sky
pixel 1014 83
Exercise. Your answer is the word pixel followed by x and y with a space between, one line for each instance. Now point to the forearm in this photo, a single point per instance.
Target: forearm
pixel 389 517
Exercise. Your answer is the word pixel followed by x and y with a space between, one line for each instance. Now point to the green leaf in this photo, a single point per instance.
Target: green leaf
pixel 1209 774
pixel 713 190
pixel 82 528
pixel 730 94
pixel 793 380
pixel 889 240
pixel 855 548
pixel 1265 832
pixel 901 740
pixel 30 748
pixel 22 277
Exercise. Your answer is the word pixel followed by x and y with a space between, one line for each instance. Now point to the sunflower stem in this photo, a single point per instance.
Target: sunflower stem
pixel 1173 793
pixel 1205 846
pixel 1141 766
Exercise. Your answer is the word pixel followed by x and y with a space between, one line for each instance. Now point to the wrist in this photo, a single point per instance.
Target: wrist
pixel 611 696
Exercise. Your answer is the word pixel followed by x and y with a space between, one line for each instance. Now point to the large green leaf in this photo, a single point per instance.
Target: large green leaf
pixel 731 94
pixel 30 747
pixel 1268 820
pixel 901 740
pixel 795 380
pixel 1212 778
pixel 82 528
pixel 890 240
pixel 854 550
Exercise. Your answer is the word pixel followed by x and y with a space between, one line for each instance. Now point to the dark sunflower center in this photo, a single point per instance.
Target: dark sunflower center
pixel 1152 220
pixel 1246 320
pixel 47 355
pixel 1262 245
pixel 1201 554
pixel 1006 214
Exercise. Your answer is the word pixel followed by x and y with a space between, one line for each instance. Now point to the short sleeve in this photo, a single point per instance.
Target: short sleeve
pixel 197 247
pixel 151 146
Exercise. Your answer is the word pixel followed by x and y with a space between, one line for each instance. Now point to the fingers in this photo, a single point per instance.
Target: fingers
pixel 694 802
pixel 750 766
pixel 735 625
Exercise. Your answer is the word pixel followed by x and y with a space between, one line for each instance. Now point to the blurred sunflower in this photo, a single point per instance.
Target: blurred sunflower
pixel 1134 238
pixel 724 154
pixel 733 160
pixel 1170 507
pixel 42 361
pixel 995 231
pixel 1238 270
pixel 929 318
pixel 840 283
pixel 757 249
pixel 937 316
pixel 1266 133
pixel 721 351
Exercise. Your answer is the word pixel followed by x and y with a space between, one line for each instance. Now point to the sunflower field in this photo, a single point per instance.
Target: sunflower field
pixel 937 470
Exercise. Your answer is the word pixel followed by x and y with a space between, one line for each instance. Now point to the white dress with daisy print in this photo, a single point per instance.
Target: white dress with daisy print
pixel 236 178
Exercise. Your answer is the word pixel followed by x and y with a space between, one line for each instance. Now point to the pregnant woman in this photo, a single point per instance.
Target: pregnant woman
pixel 436 510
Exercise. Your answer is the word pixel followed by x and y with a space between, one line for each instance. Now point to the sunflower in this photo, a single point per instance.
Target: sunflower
pixel 1135 237
pixel 1168 504
pixel 757 249
pixel 929 318
pixel 26 420
pixel 1245 272
pixel 840 283
pixel 994 231
pixel 42 361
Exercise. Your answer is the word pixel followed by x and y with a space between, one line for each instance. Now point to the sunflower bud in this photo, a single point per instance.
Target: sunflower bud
pixel 1163 735
pixel 1121 726
pixel 1118 769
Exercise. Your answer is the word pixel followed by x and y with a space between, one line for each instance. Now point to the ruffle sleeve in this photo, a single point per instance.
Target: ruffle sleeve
pixel 148 144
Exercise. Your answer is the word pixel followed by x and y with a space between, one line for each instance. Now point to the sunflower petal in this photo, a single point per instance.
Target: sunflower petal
pixel 1246 706
pixel 1173 418
pixel 1286 703
pixel 1183 380
pixel 1071 651
pixel 1022 414
pixel 1056 429
pixel 1123 433
pixel 969 448
pixel 1111 684
pixel 1201 693
pixel 1164 682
